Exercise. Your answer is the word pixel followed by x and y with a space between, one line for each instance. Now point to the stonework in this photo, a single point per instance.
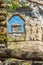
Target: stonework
pixel 22 46
pixel 33 29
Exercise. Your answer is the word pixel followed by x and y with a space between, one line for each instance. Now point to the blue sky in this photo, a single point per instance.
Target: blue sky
pixel 15 20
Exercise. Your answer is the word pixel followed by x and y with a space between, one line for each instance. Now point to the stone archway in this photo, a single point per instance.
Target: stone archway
pixel 16 25
pixel 16 19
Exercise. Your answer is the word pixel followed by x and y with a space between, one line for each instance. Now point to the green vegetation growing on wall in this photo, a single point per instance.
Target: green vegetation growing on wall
pixel 13 5
pixel 10 4
pixel 16 5
pixel 24 5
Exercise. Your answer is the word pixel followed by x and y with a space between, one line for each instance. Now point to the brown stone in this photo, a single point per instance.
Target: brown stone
pixel 3 13
pixel 5 31
pixel 2 18
pixel 3 5
pixel 2 23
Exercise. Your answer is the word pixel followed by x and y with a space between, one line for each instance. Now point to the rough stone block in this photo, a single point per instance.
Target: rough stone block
pixel 2 18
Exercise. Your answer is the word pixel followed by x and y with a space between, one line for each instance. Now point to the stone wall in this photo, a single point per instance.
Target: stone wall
pixel 33 29
pixel 33 38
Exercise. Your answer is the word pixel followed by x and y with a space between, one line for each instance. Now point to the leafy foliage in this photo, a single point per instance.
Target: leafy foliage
pixel 13 6
pixel 24 5
pixel 10 3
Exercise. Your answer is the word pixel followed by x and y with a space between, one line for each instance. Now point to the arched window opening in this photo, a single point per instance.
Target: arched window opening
pixel 16 28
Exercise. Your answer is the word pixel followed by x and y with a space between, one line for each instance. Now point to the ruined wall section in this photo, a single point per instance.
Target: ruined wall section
pixel 33 30
pixel 33 35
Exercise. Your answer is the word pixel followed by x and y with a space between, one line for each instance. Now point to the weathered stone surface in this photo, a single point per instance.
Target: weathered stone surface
pixel 25 54
pixel 29 46
pixel 37 1
pixel 27 50
pixel 20 62
pixel 5 31
pixel 33 30
pixel 3 5
pixel 16 62
pixel 3 13
pixel 16 37
pixel 2 18
pixel 3 23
